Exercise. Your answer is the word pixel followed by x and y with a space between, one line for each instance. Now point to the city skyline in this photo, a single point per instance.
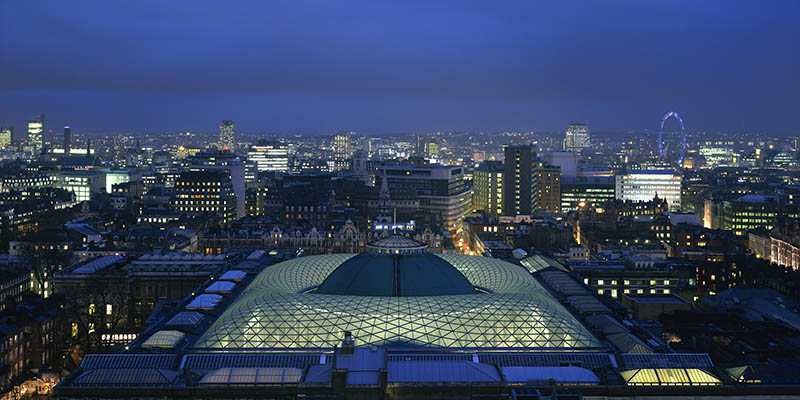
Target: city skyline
pixel 312 68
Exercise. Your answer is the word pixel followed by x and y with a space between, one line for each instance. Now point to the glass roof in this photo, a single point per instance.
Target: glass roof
pixel 163 339
pixel 274 313
pixel 252 376
pixel 396 242
pixel 395 275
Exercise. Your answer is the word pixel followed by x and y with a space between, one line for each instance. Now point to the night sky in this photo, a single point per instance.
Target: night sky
pixel 402 66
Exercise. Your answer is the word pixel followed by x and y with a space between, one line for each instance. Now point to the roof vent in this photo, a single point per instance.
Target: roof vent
pixel 348 345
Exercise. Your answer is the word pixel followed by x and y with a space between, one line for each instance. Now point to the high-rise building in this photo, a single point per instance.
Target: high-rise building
pixel 441 190
pixel 432 149
pixel 200 193
pixel 67 140
pixel 577 138
pixel 341 146
pixel 547 188
pixel 36 134
pixel 227 135
pixel 6 137
pixel 421 150
pixel 518 180
pixel 270 156
pixel 585 191
pixel 488 188
pixel 644 185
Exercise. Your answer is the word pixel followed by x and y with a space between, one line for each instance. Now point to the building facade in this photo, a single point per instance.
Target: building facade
pixel 585 191
pixel 270 156
pixel 547 189
pixel 200 193
pixel 36 134
pixel 518 180
pixel 488 188
pixel 6 137
pixel 576 138
pixel 227 135
pixel 441 190
pixel 644 185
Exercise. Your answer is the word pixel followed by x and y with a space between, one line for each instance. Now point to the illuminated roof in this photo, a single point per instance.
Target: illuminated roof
pixel 279 310
pixel 166 339
pixel 669 377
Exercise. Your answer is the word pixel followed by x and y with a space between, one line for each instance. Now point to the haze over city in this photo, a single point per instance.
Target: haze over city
pixel 315 67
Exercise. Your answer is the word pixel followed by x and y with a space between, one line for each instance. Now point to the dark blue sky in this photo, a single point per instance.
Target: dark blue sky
pixel 403 66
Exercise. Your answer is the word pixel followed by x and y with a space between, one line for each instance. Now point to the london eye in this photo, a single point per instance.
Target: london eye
pixel 661 131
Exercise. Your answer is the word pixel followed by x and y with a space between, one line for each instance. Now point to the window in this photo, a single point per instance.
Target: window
pixel 109 309
pixel 92 309
pixel 74 329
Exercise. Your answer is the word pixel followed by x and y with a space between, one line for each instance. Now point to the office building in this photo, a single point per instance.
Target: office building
pixel 432 150
pixel 518 180
pixel 341 146
pixel 227 135
pixel 36 134
pixel 82 183
pixel 644 185
pixel 6 137
pixel 586 191
pixel 577 138
pixel 547 188
pixel 488 188
pixel 202 193
pixel 746 213
pixel 441 190
pixel 269 156
pixel 67 140
pixel 230 164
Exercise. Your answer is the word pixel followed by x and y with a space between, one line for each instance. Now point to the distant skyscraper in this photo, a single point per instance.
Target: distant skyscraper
pixel 518 180
pixel 421 151
pixel 432 149
pixel 6 137
pixel 67 139
pixel 341 146
pixel 227 135
pixel 36 133
pixel 577 138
